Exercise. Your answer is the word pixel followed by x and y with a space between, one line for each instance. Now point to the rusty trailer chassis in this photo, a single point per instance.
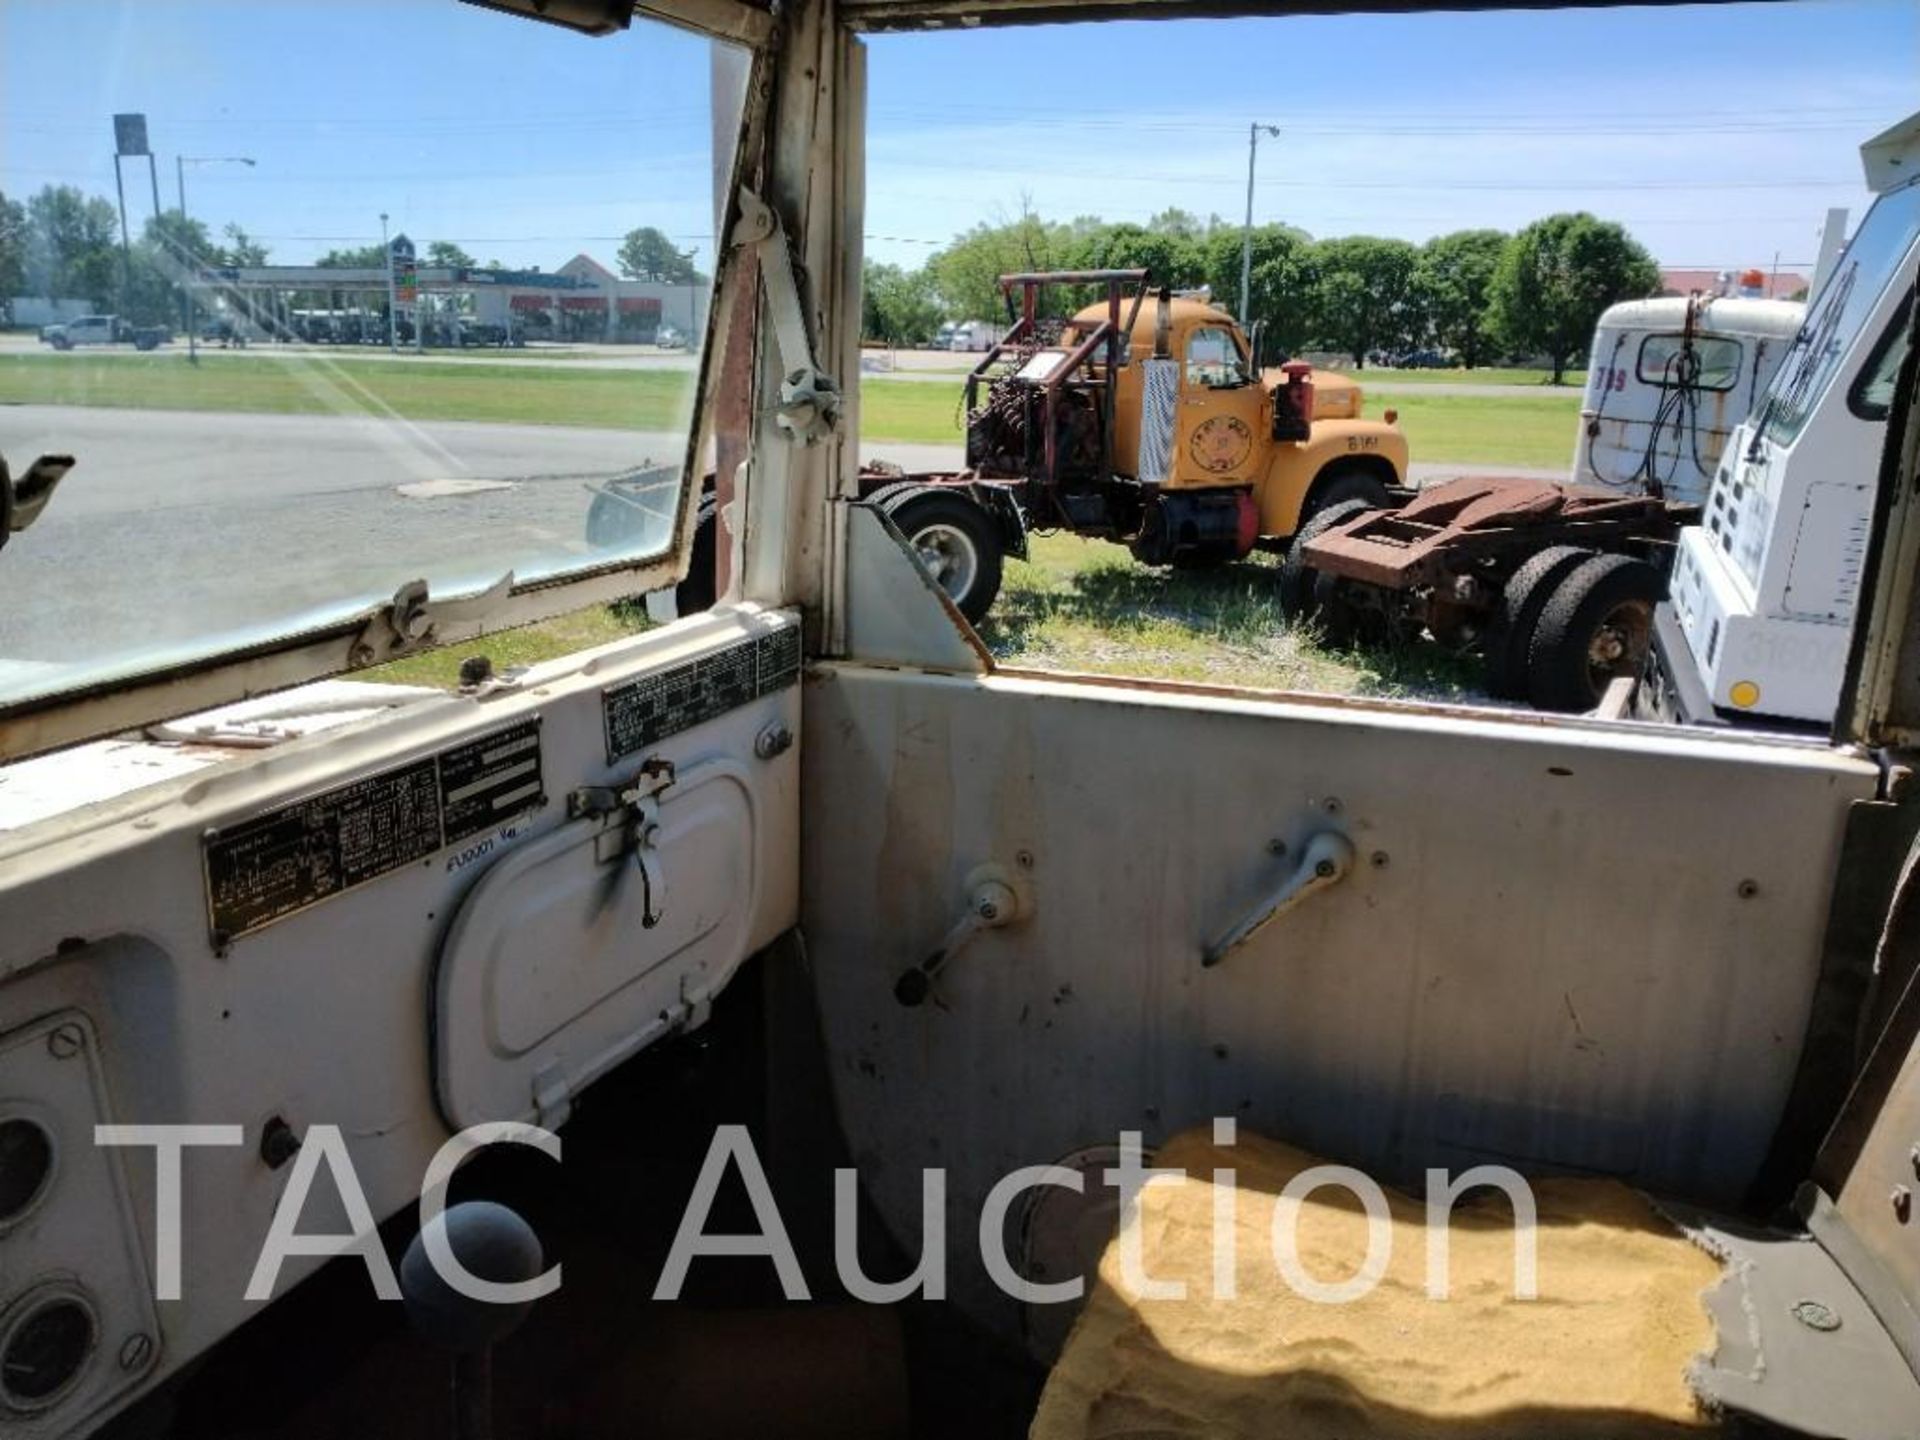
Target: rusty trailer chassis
pixel 1455 544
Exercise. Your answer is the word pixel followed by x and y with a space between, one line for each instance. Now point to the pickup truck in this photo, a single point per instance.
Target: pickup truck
pixel 103 330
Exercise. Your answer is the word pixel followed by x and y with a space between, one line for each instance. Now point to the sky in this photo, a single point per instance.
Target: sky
pixel 1718 134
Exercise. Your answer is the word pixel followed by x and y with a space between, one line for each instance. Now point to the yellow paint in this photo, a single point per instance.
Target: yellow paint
pixel 1745 694
pixel 1223 434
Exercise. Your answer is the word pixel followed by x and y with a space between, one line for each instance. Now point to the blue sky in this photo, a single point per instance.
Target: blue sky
pixel 1719 134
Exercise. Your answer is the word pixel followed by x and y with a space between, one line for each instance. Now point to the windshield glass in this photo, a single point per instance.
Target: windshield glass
pixel 1867 267
pixel 327 298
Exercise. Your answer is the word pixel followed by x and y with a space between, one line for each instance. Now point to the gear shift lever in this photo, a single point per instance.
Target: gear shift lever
pixel 491 1243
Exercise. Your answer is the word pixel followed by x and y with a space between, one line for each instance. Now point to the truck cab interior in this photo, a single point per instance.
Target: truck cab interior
pixel 769 914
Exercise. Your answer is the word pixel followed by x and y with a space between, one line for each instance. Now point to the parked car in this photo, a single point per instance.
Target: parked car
pixel 103 330
pixel 668 338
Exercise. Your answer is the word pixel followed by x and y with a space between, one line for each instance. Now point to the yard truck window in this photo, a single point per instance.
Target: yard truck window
pixel 430 307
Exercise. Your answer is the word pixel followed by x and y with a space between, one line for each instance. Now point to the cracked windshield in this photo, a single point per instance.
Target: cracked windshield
pixel 322 299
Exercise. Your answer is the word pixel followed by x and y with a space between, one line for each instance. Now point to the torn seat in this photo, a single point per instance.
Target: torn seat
pixel 1638 1326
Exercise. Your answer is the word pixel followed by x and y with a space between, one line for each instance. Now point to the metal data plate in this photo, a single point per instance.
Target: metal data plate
pixel 648 710
pixel 279 863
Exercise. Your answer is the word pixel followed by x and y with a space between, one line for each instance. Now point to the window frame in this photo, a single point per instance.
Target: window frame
pixel 1663 382
pixel 1186 359
pixel 1898 328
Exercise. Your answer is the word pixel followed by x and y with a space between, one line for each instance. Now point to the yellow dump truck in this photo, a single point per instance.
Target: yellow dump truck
pixel 1141 419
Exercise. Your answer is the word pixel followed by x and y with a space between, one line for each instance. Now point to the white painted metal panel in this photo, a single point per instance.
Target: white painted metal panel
pixel 1564 946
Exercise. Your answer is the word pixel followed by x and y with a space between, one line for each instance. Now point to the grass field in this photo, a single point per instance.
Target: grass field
pixel 1572 380
pixel 1494 429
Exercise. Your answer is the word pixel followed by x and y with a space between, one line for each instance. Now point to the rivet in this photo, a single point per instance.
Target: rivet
pixel 1331 805
pixel 1324 869
pixel 1815 1316
pixel 1024 859
pixel 1276 846
pixel 1379 859
pixel 1747 889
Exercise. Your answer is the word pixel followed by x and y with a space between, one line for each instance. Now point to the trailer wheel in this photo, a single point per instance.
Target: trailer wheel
pixel 1595 627
pixel 958 543
pixel 1296 587
pixel 1509 637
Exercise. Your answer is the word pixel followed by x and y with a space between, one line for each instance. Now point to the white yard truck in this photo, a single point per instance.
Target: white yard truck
pixel 1763 592
pixel 1668 381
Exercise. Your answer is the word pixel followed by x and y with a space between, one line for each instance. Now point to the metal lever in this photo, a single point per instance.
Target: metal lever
pixel 991 903
pixel 640 798
pixel 1324 860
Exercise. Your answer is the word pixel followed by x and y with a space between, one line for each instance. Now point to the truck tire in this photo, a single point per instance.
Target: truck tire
pixel 1595 626
pixel 1295 587
pixel 957 542
pixel 1509 638
pixel 1340 483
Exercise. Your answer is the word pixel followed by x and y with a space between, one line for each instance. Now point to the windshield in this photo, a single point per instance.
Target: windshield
pixel 392 293
pixel 1867 267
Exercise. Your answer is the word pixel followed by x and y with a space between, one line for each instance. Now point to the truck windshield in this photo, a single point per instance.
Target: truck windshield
pixel 426 303
pixel 1871 263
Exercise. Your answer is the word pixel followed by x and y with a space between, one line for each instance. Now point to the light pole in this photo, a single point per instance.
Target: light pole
pixel 187 305
pixel 393 303
pixel 1246 234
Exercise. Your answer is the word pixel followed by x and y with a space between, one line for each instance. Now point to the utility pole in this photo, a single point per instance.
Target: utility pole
pixel 1246 234
pixel 393 304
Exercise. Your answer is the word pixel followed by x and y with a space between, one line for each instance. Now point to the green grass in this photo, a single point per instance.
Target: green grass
pixel 306 384
pixel 528 645
pixel 1487 430
pixel 1493 429
pixel 1087 605
pixel 1573 379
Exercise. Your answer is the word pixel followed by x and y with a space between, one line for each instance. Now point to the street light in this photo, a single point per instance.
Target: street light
pixel 187 304
pixel 1246 234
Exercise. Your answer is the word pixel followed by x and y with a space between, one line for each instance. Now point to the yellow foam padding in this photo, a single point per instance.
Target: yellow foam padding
pixel 1603 1351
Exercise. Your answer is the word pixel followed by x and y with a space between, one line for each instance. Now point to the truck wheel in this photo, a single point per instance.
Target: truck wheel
pixel 1509 636
pixel 1595 627
pixel 957 542
pixel 1296 588
pixel 1338 484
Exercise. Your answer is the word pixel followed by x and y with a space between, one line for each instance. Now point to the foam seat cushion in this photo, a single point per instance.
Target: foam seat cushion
pixel 1603 1351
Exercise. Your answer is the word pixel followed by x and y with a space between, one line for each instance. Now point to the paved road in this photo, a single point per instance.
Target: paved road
pixel 177 525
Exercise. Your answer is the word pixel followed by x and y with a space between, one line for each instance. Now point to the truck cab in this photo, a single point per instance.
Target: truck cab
pixel 1764 590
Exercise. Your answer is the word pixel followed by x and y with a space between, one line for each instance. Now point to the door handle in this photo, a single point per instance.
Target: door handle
pixel 993 900
pixel 1324 861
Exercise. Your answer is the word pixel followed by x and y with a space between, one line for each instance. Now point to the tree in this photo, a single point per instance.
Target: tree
pixel 898 306
pixel 646 254
pixel 447 253
pixel 966 274
pixel 1169 256
pixel 1556 277
pixel 1453 278
pixel 366 257
pixel 242 249
pixel 1364 295
pixel 13 249
pixel 1280 281
pixel 71 240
